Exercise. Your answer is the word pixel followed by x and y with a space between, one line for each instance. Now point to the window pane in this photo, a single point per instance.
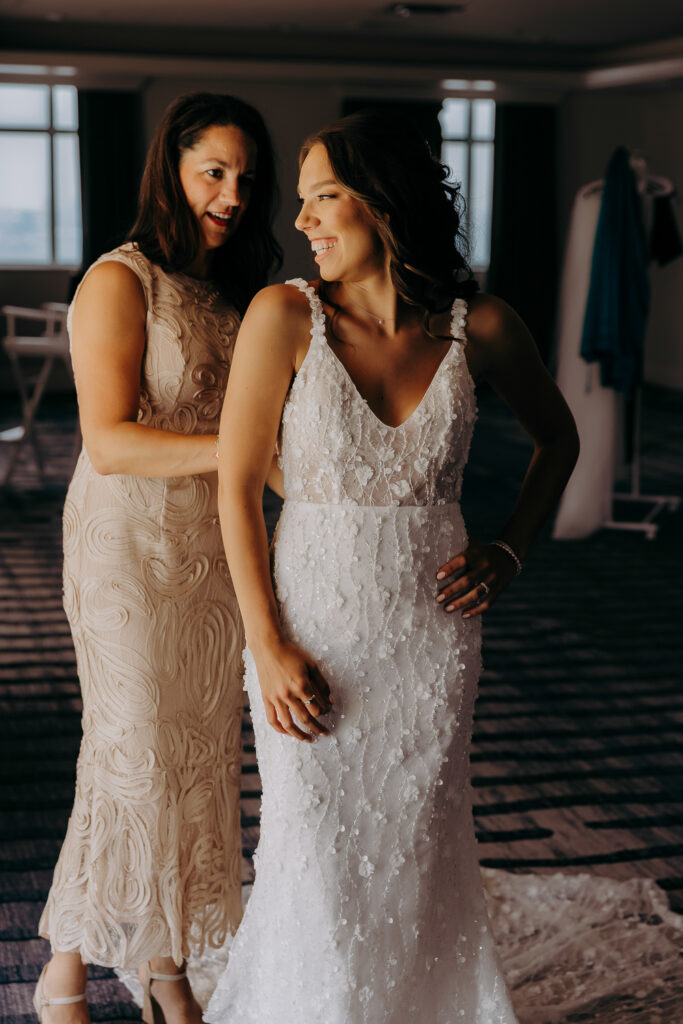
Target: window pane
pixel 483 119
pixel 68 243
pixel 481 198
pixel 24 106
pixel 65 107
pixel 24 198
pixel 454 155
pixel 454 118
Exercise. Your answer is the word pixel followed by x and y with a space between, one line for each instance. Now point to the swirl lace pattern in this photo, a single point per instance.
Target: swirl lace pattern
pixel 151 863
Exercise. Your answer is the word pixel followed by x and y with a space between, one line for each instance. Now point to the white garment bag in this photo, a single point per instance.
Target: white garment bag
pixel 586 504
pixel 587 501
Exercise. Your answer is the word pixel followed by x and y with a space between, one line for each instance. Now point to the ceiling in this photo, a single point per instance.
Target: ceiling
pixel 566 25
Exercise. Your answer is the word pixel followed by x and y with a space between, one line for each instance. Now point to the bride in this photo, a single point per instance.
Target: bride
pixel 363 656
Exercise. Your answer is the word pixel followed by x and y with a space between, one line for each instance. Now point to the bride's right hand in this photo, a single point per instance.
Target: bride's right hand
pixel 292 686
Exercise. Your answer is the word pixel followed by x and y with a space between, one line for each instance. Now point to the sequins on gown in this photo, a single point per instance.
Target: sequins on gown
pixel 367 906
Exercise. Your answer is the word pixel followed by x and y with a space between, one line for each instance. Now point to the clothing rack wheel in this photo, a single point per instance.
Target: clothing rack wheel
pixel 658 502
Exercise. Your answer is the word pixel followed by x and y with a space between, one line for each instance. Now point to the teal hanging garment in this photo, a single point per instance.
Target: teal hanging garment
pixel 619 292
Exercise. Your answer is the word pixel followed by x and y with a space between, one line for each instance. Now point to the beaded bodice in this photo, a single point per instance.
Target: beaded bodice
pixel 335 450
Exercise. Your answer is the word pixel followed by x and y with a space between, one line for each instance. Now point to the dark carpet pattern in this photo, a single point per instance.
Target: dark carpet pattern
pixel 577 758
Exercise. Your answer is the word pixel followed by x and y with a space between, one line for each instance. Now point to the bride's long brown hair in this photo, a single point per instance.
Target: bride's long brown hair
pixel 383 161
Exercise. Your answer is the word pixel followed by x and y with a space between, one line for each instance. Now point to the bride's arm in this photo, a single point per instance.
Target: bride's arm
pixel 274 330
pixel 107 348
pixel 504 353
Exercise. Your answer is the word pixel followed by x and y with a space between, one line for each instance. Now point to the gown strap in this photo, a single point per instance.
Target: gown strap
pixel 458 312
pixel 459 320
pixel 317 311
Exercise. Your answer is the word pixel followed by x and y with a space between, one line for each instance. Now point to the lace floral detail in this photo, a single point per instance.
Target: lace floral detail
pixel 368 905
pixel 327 424
pixel 366 868
pixel 573 948
pixel 151 864
pixel 584 948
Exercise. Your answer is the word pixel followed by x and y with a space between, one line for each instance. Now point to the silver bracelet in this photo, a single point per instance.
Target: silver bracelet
pixel 508 551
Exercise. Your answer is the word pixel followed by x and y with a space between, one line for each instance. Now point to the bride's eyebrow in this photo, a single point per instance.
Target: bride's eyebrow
pixel 318 184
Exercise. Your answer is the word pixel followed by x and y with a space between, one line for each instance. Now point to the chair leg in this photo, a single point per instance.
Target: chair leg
pixel 30 413
pixel 30 405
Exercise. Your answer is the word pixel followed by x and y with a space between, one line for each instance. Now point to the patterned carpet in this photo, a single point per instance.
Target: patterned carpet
pixel 578 747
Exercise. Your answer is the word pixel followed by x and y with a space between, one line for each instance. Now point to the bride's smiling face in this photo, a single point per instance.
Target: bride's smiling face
pixel 342 232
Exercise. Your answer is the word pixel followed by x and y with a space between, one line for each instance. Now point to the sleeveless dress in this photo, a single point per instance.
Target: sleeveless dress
pixel 367 906
pixel 151 863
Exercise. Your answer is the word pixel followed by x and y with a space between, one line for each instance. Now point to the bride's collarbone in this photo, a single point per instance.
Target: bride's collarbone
pixel 393 388
pixel 406 354
pixel 374 345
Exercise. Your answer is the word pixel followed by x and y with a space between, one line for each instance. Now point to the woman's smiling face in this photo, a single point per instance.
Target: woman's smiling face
pixel 341 230
pixel 217 175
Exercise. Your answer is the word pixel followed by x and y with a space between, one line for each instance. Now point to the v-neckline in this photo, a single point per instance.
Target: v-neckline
pixel 363 399
pixel 355 388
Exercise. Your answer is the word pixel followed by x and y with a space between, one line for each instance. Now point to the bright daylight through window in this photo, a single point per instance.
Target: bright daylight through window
pixel 40 192
pixel 467 128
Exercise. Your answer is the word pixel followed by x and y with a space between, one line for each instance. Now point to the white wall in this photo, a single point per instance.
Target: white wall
pixel 593 124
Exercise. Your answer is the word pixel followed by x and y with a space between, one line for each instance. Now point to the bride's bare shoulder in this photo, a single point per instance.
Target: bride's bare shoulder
pixel 496 336
pixel 279 300
pixel 489 318
pixel 278 320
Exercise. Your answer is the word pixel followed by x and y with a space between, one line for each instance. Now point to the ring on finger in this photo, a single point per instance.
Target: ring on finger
pixel 309 701
pixel 484 589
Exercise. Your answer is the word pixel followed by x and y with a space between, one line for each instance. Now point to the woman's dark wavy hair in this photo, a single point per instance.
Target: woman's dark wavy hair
pixel 166 229
pixel 384 161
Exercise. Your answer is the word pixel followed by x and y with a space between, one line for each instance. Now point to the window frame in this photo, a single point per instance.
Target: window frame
pixel 470 141
pixel 52 132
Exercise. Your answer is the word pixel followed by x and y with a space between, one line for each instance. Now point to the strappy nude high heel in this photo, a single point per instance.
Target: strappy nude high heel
pixel 151 1011
pixel 40 1001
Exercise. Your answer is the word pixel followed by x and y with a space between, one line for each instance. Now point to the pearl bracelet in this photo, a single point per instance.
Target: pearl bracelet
pixel 508 551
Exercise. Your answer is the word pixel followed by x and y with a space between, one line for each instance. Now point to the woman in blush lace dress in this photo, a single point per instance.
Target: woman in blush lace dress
pixel 151 865
pixel 363 657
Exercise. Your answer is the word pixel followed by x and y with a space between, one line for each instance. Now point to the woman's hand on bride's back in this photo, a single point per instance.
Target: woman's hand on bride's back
pixel 292 687
pixel 472 580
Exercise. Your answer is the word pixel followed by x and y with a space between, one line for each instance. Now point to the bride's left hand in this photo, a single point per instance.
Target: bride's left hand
pixel 474 579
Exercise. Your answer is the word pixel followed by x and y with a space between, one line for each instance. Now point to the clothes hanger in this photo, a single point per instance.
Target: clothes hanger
pixel 646 183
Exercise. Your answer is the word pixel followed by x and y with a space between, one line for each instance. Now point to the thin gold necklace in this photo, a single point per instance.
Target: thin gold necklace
pixel 379 319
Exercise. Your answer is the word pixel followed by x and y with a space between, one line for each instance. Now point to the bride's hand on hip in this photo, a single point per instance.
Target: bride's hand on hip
pixel 474 579
pixel 293 687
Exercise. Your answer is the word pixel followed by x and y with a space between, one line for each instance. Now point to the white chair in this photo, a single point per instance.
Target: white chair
pixel 41 350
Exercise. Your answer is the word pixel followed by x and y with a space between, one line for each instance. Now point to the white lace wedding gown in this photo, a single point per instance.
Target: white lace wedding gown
pixel 368 906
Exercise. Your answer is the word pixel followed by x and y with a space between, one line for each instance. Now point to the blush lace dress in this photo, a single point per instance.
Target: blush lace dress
pixel 151 863
pixel 368 905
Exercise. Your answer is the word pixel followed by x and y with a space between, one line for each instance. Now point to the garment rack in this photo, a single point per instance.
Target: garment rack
pixel 657 502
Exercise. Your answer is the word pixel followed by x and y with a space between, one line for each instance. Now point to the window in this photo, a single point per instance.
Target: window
pixel 467 127
pixel 40 191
